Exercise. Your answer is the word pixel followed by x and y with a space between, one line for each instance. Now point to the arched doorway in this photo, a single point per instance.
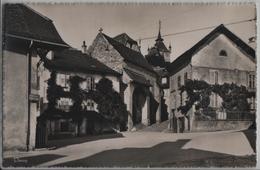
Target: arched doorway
pixel 139 99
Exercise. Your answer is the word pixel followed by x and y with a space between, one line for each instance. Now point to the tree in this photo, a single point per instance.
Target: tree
pixel 77 96
pixel 110 103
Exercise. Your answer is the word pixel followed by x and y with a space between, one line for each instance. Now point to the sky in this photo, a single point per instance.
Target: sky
pixel 79 22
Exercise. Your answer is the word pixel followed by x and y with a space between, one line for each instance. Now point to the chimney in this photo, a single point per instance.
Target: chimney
pixel 84 47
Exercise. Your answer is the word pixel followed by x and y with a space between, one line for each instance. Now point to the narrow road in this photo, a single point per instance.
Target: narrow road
pixel 151 146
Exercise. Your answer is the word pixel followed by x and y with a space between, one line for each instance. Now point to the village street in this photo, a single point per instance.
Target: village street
pixel 149 149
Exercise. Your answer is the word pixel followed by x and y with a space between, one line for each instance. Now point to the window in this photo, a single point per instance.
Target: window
pixel 223 53
pixel 164 80
pixel 216 77
pixel 251 80
pixel 214 100
pixel 35 78
pixel 90 84
pixel 88 105
pixel 185 77
pixel 181 98
pixel 64 104
pixel 107 47
pixel 252 103
pixel 38 82
pixel 179 81
pixel 63 80
pixel 213 76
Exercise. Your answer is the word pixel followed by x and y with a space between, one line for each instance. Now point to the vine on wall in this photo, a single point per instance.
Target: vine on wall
pixel 110 103
pixel 234 98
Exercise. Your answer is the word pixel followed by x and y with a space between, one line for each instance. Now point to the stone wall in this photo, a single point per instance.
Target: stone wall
pixel 218 125
pixel 105 53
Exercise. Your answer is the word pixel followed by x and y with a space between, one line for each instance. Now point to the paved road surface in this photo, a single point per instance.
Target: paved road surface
pixel 227 142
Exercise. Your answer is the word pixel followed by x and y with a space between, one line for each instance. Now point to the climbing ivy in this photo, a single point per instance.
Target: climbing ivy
pixel 198 93
pixel 109 102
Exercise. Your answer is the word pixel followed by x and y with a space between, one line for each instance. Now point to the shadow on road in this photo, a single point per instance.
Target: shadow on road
pixel 58 143
pixel 30 161
pixel 251 137
pixel 167 154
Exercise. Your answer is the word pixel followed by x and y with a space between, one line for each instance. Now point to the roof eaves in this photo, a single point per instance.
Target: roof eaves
pixel 41 41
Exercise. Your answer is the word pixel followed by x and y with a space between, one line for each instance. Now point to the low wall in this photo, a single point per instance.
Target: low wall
pixel 218 125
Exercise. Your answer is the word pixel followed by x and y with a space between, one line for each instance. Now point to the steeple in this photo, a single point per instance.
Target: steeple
pixel 159 37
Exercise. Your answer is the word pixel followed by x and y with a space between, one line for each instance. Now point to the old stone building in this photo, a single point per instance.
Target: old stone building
pixel 67 64
pixel 28 36
pixel 220 57
pixel 139 86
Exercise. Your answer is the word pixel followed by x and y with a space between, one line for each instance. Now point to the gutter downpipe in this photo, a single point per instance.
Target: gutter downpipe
pixel 29 92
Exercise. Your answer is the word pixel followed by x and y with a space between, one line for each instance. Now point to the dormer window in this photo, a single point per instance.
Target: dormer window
pixel 223 53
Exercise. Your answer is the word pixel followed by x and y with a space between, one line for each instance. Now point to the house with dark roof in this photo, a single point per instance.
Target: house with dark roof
pixel 139 85
pixel 28 37
pixel 220 57
pixel 66 64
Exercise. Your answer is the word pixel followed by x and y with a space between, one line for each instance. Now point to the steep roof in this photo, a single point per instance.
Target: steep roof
pixel 75 61
pixel 124 39
pixel 129 55
pixel 185 58
pixel 159 43
pixel 23 22
pixel 161 46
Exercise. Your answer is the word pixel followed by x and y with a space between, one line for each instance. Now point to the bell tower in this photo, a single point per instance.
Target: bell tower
pixel 159 44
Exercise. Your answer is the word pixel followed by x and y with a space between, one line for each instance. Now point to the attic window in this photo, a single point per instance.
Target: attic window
pixel 223 53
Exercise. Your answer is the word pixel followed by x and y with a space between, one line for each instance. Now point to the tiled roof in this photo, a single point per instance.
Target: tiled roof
pixel 130 55
pixel 137 78
pixel 124 39
pixel 25 23
pixel 185 58
pixel 75 61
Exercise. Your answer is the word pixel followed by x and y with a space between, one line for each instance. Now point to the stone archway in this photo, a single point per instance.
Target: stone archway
pixel 139 101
